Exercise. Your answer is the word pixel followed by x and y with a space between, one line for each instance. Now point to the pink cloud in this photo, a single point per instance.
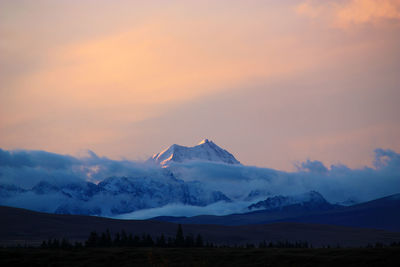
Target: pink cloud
pixel 344 14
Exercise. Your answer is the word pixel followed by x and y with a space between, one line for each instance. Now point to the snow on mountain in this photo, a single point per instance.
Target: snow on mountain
pixel 257 194
pixel 205 176
pixel 310 200
pixel 150 192
pixel 113 196
pixel 10 190
pixel 205 151
pixel 45 188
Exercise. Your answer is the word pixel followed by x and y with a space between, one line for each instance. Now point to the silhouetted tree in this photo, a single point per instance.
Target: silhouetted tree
pixel 394 244
pixel 262 244
pixel 124 238
pixel 65 244
pixel 170 242
pixel 44 244
pixel 117 240
pixel 199 241
pixel 189 241
pixel 78 244
pixel 55 243
pixel 108 239
pixel 136 241
pixel 93 240
pixel 149 241
pixel 249 245
pixel 179 239
pixel 130 241
pixel 161 241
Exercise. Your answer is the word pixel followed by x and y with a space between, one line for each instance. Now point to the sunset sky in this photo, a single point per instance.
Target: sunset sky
pixel 273 82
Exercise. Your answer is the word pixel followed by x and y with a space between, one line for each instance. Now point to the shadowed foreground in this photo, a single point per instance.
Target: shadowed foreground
pixel 200 257
pixel 19 226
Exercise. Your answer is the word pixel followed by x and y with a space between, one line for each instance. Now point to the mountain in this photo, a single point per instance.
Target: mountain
pixel 200 180
pixel 256 194
pixel 31 228
pixel 381 213
pixel 10 190
pixel 205 151
pixel 112 196
pixel 310 201
pixel 137 188
pixel 268 210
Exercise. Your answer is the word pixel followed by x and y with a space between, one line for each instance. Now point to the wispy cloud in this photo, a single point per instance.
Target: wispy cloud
pixel 347 13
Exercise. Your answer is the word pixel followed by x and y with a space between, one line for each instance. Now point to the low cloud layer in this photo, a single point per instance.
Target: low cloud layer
pixel 219 208
pixel 242 184
pixel 25 168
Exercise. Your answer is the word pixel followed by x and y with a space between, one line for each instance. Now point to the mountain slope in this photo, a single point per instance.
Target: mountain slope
pixel 206 150
pixel 381 213
pixel 311 201
pixel 29 227
pixel 112 196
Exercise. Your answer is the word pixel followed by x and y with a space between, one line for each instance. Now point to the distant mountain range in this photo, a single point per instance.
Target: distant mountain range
pixel 114 195
pixel 312 201
pixel 257 204
pixel 200 180
pixel 151 187
pixel 381 213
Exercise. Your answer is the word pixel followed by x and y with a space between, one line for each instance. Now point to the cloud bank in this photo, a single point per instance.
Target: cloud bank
pixel 25 168
pixel 23 172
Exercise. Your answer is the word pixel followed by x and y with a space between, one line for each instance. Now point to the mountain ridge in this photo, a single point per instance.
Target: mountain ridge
pixel 205 150
pixel 311 200
pixel 381 213
pixel 128 194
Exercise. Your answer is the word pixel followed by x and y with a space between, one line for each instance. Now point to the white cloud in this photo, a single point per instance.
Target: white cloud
pixel 337 183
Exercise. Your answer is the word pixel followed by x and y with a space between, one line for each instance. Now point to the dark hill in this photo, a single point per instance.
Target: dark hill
pixel 381 213
pixel 24 226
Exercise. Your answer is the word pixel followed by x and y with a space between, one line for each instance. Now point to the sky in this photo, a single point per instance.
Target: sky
pixel 273 82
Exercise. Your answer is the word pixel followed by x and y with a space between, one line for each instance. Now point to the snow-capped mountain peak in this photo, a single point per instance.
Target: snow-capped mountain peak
pixel 204 141
pixel 206 150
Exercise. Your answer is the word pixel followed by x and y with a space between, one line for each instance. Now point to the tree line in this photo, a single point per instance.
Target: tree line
pixel 123 239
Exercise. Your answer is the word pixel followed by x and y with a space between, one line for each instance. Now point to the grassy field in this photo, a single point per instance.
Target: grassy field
pixel 199 257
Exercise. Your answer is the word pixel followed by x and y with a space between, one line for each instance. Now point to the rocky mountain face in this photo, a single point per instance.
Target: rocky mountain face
pixel 113 196
pixel 205 151
pixel 311 200
pixel 138 189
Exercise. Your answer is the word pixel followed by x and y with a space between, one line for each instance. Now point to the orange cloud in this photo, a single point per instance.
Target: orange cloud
pixel 79 74
pixel 156 63
pixel 102 83
pixel 344 14
pixel 364 11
